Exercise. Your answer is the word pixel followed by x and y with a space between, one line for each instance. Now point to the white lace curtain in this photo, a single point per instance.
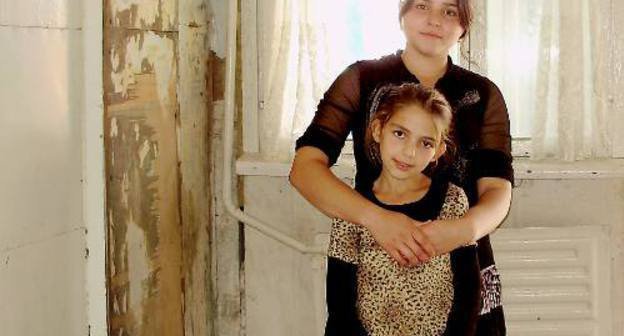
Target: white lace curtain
pixel 293 71
pixel 303 46
pixel 571 120
pixel 551 57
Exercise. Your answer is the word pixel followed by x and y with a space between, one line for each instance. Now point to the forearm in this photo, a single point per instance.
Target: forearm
pixel 490 210
pixel 330 195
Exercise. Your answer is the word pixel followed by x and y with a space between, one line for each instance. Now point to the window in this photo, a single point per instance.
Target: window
pixel 296 48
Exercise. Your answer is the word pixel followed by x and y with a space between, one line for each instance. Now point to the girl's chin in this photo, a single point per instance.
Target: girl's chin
pixel 428 50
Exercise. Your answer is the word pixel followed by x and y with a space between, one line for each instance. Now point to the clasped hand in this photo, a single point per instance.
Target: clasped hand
pixel 411 242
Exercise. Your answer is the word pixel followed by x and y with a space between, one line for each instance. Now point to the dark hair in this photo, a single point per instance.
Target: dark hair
pixel 409 94
pixel 464 7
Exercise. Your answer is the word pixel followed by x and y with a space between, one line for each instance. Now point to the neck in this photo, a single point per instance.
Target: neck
pixel 391 190
pixel 428 69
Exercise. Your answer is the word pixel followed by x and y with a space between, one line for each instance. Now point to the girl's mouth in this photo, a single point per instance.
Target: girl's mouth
pixel 402 165
pixel 432 35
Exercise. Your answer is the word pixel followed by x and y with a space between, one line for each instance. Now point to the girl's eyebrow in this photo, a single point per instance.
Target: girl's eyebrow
pixel 448 4
pixel 394 124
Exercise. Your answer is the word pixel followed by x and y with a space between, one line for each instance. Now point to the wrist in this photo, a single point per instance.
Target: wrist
pixel 465 231
pixel 371 215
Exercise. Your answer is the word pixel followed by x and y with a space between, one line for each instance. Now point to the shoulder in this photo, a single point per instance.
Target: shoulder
pixel 378 63
pixel 381 66
pixel 472 78
pixel 471 88
pixel 364 71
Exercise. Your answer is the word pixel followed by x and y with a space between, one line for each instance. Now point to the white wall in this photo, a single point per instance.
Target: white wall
pixel 42 231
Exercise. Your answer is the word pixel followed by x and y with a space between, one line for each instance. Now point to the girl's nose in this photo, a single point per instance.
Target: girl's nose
pixel 434 18
pixel 409 150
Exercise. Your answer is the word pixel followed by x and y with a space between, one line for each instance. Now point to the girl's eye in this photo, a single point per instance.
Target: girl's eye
pixel 399 134
pixel 451 12
pixel 421 6
pixel 428 144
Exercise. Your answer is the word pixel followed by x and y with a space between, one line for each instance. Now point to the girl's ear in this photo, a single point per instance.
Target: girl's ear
pixel 439 151
pixel 376 130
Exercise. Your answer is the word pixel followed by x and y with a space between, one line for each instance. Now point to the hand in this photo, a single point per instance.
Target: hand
pixel 402 238
pixel 444 235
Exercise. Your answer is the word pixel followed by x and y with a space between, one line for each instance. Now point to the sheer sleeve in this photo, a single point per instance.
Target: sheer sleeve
pixel 493 156
pixel 334 115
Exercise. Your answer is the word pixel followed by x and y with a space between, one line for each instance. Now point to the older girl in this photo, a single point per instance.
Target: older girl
pixel 482 166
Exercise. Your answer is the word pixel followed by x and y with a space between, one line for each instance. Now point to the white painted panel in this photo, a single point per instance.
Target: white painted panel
pixel 284 289
pixel 616 101
pixel 41 13
pixel 93 159
pixel 40 134
pixel 42 288
pixel 556 281
pixel 42 233
pixel 565 203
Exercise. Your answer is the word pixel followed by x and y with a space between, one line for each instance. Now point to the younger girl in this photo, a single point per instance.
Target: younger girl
pixel 368 293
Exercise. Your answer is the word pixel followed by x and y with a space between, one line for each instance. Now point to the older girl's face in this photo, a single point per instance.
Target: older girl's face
pixel 432 27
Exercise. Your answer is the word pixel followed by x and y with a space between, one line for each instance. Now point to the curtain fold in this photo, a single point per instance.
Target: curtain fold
pixel 303 46
pixel 294 71
pixel 571 118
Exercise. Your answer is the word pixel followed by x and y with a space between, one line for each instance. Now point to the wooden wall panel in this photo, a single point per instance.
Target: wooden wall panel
pixel 160 82
pixel 145 294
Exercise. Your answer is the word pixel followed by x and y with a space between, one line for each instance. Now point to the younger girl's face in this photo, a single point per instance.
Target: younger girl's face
pixel 432 27
pixel 408 142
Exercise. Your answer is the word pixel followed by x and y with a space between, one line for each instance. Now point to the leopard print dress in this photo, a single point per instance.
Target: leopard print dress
pixel 393 300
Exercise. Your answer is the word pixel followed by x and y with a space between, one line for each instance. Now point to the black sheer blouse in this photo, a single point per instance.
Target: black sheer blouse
pixel 480 120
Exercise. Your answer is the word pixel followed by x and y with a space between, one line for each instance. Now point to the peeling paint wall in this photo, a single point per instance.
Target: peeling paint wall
pixel 160 81
pixel 42 233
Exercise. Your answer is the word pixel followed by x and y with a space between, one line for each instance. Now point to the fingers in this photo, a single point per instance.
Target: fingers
pixel 405 241
pixel 409 254
pixel 419 255
pixel 398 257
pixel 424 243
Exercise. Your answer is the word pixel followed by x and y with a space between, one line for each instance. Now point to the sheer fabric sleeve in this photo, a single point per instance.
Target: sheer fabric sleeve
pixel 334 115
pixel 493 156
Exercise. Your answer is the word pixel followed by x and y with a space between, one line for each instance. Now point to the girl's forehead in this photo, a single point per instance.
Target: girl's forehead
pixel 442 2
pixel 415 119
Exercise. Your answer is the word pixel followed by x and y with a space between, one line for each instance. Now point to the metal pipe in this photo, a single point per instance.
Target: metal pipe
pixel 228 146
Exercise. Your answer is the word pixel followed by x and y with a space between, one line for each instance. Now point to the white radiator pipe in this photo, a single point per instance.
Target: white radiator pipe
pixel 228 146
